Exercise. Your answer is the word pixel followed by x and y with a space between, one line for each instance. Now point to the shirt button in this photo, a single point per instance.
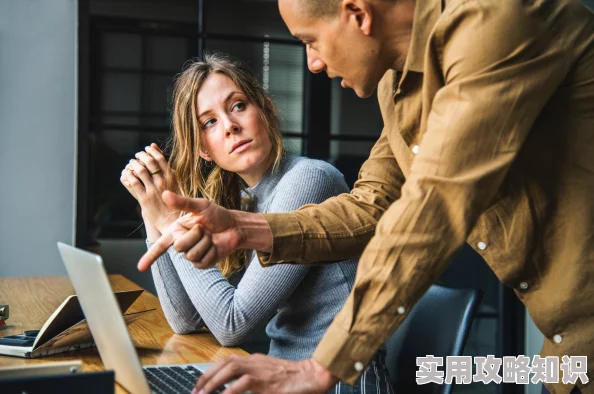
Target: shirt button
pixel 523 285
pixel 400 310
pixel 415 149
pixel 558 338
pixel 358 366
pixel 482 245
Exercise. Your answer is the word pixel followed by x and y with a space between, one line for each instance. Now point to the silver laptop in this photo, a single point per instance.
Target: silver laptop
pixel 109 331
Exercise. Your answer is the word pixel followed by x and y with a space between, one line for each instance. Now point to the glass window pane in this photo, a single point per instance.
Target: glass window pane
pixel 294 145
pixel 122 50
pixel 159 138
pixel 121 92
pixel 138 120
pixel 279 67
pixel 122 120
pixel 244 17
pixel 109 200
pixel 124 142
pixel 348 156
pixel 156 121
pixel 146 11
pixel 159 89
pixel 127 142
pixel 167 53
pixel 345 149
pixel 352 115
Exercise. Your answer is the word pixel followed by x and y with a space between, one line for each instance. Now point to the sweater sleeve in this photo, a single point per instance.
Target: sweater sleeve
pixel 179 310
pixel 232 313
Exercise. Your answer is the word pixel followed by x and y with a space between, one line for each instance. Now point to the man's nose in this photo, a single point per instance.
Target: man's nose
pixel 314 63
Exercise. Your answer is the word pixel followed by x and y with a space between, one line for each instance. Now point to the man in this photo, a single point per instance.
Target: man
pixel 488 108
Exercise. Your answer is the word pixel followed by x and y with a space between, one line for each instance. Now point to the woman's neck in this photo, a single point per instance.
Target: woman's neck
pixel 253 177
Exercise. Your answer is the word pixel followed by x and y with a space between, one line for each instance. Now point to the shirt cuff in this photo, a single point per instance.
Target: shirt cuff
pixel 287 239
pixel 345 355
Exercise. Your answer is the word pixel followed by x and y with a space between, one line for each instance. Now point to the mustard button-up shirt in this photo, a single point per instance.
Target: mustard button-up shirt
pixel 488 139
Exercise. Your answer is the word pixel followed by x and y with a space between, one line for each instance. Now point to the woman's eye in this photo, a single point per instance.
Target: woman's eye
pixel 208 123
pixel 240 106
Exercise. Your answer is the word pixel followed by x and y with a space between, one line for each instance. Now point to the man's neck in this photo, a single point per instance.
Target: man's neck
pixel 396 26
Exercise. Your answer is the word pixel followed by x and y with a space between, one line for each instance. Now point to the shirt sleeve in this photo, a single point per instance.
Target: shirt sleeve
pixel 477 124
pixel 232 313
pixel 341 226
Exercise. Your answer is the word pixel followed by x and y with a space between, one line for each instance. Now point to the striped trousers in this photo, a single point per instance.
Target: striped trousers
pixel 375 379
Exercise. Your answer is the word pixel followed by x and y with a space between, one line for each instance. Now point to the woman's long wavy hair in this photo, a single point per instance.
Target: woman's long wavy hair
pixel 195 178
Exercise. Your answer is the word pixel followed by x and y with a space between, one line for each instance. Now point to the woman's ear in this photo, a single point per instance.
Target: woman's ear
pixel 205 155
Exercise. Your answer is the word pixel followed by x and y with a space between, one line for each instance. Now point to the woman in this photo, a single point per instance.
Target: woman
pixel 225 124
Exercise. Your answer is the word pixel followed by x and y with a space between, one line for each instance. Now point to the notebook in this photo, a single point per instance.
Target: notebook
pixel 65 330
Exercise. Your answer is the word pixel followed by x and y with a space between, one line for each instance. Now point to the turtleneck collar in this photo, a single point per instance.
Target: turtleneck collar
pixel 270 179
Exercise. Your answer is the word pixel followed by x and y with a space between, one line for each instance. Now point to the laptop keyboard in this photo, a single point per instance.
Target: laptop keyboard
pixel 173 380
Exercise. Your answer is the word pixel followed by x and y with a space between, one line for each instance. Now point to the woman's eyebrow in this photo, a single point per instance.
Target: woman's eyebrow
pixel 226 100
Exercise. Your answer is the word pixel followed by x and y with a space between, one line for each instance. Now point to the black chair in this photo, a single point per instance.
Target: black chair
pixel 438 325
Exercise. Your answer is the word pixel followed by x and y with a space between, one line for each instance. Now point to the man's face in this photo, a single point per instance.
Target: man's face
pixel 338 45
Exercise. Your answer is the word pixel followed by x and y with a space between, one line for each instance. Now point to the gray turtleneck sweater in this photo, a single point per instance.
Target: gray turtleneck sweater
pixel 302 300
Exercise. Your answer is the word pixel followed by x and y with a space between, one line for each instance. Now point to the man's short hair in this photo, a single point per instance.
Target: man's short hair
pixel 321 8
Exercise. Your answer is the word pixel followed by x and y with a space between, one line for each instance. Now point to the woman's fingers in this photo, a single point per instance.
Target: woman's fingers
pixel 155 146
pixel 141 172
pixel 152 158
pixel 136 187
pixel 157 155
pixel 124 178
pixel 149 162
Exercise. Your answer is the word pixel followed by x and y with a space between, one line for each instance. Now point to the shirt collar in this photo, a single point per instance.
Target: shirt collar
pixel 427 12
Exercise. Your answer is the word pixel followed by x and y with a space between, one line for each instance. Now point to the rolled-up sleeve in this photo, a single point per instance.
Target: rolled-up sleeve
pixel 340 227
pixel 477 123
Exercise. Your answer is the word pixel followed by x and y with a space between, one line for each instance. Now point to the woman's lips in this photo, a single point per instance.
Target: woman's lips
pixel 241 147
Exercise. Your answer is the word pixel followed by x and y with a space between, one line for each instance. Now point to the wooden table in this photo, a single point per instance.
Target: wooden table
pixel 33 299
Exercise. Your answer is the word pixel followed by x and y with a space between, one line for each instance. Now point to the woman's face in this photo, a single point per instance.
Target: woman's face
pixel 234 135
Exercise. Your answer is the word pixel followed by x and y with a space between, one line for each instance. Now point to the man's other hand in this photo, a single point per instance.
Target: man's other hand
pixel 266 375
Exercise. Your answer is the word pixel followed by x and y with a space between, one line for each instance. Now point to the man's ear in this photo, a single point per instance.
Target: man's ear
pixel 358 11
